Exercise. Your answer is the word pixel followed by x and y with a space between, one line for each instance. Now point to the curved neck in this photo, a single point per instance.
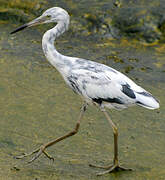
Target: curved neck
pixel 53 56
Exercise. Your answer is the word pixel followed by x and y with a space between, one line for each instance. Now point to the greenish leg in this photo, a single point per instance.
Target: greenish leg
pixel 115 166
pixel 41 150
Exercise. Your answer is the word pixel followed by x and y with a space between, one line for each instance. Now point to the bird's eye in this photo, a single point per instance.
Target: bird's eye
pixel 48 16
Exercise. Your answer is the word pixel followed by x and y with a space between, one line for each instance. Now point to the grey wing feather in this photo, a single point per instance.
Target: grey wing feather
pixel 101 83
pixel 96 80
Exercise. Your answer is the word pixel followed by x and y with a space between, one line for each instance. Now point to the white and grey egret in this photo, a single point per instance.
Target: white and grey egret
pixel 97 83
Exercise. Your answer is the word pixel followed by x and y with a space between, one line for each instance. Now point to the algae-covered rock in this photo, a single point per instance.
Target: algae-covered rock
pixel 20 10
pixel 141 20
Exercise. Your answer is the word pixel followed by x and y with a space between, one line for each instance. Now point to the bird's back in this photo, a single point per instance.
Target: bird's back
pixel 104 85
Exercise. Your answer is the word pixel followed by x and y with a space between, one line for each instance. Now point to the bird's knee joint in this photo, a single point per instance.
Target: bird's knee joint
pixel 42 148
pixel 115 131
pixel 74 131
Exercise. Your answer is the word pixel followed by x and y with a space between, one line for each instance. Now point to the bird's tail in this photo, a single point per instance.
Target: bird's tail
pixel 146 100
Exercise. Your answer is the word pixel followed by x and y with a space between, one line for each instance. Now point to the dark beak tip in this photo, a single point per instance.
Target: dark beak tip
pixel 12 32
pixel 19 29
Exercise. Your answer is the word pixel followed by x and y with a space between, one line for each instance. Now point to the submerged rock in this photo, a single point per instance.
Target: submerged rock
pixel 21 11
pixel 142 23
pixel 141 20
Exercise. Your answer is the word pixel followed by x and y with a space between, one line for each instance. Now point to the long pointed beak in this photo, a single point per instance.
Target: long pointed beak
pixel 36 21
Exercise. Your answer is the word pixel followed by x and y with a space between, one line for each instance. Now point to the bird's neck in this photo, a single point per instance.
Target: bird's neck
pixel 54 57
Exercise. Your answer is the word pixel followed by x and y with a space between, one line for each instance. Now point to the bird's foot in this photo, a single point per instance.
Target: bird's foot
pixel 109 169
pixel 37 153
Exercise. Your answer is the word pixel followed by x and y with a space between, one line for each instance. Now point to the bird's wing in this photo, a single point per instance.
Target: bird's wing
pixel 104 84
pixel 100 82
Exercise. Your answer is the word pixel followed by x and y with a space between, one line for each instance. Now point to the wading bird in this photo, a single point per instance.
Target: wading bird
pixel 97 83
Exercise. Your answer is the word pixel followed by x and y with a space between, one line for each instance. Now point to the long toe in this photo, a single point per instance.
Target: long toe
pixel 27 154
pixel 109 169
pixel 99 166
pixel 37 153
pixel 36 156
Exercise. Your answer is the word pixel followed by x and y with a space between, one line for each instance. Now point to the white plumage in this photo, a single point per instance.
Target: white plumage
pixel 95 82
pixel 106 86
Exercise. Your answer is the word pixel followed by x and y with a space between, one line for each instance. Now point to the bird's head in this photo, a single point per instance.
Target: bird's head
pixel 55 14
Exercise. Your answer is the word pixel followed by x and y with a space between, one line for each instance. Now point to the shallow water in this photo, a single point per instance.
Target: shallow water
pixel 36 106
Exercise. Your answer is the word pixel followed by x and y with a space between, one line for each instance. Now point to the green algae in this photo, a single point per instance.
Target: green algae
pixel 20 10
